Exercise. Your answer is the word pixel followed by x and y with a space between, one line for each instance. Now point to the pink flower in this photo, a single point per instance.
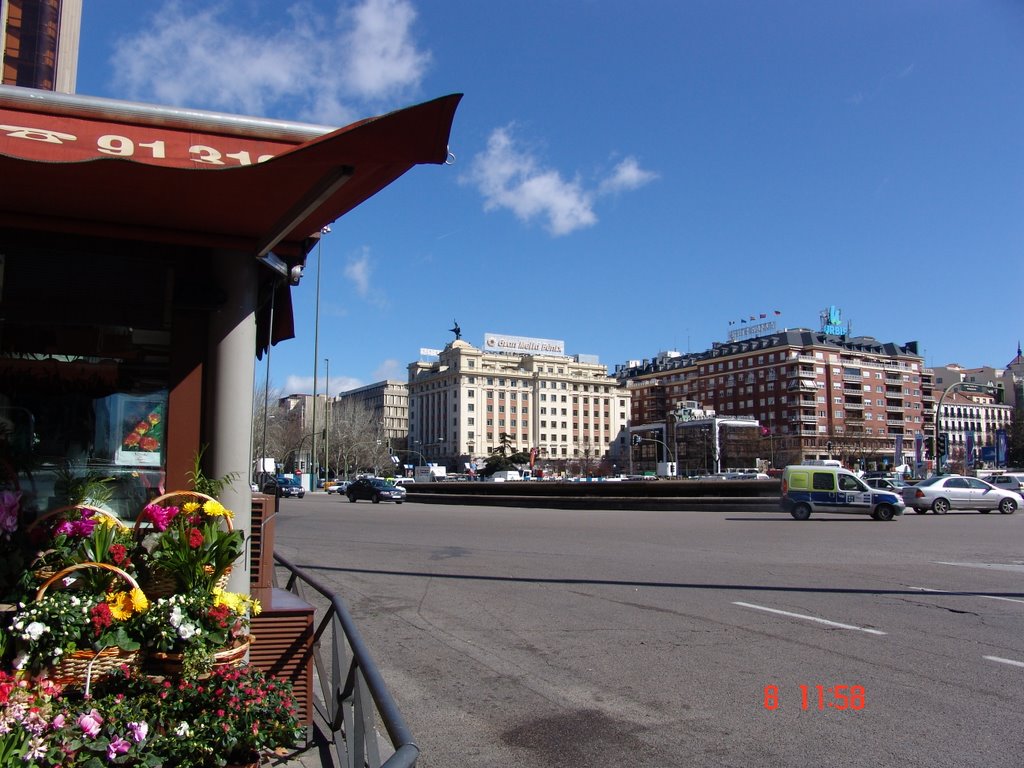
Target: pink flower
pixel 117 746
pixel 9 504
pixel 90 723
pixel 58 722
pixel 160 516
pixel 139 730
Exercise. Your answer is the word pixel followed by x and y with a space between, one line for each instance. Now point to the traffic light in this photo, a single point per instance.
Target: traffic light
pixel 943 444
pixel 636 439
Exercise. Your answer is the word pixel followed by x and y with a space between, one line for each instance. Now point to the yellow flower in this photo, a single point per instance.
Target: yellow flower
pixel 110 522
pixel 189 507
pixel 236 602
pixel 139 600
pixel 214 508
pixel 120 605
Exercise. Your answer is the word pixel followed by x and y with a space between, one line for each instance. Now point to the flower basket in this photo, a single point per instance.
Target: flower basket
pixel 162 522
pixel 178 498
pixel 171 664
pixel 47 570
pixel 78 668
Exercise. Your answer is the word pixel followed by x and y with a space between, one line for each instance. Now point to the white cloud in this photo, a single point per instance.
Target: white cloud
pixel 390 369
pixel 509 177
pixel 304 384
pixel 381 53
pixel 310 67
pixel 627 175
pixel 358 270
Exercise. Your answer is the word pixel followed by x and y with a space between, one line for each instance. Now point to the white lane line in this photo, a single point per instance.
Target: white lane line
pixel 809 618
pixel 1012 567
pixel 1011 662
pixel 968 594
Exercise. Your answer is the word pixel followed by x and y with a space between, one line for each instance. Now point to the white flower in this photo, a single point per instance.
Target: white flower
pixel 35 630
pixel 21 660
pixel 175 618
pixel 183 730
pixel 187 631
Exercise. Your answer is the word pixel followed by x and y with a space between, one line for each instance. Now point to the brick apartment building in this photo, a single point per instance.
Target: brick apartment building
pixel 815 394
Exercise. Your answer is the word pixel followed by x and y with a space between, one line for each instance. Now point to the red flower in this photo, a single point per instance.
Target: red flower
pixel 149 444
pixel 118 553
pixel 132 439
pixel 195 538
pixel 100 617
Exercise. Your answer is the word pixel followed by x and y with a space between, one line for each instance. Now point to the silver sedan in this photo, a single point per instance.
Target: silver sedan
pixel 941 493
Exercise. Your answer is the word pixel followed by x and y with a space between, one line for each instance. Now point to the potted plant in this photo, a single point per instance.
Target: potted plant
pixel 230 718
pixel 45 728
pixel 193 544
pixel 190 633
pixel 72 535
pixel 72 634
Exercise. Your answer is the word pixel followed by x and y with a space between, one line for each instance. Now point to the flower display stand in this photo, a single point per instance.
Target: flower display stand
pixel 284 644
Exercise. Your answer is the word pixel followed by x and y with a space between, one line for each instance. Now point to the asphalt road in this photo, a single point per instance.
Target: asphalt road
pixel 529 637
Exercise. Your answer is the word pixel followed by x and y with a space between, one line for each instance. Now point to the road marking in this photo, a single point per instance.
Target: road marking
pixel 967 594
pixel 809 618
pixel 989 566
pixel 1005 661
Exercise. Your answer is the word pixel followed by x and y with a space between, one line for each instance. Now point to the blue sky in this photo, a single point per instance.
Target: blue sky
pixel 629 177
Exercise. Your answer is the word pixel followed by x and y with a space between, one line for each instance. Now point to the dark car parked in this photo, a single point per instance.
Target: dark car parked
pixel 376 490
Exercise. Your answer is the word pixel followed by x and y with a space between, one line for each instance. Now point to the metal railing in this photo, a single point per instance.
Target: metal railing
pixel 353 699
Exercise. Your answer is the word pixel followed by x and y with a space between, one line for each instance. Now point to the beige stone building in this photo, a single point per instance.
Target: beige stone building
pixel 527 393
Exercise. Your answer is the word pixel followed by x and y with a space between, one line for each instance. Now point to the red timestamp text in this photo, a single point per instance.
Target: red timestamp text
pixel 819 697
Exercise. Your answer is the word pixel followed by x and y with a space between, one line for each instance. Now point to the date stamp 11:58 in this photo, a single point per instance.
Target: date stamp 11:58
pixel 819 697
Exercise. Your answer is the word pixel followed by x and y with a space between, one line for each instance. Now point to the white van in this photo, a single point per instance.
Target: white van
pixel 808 488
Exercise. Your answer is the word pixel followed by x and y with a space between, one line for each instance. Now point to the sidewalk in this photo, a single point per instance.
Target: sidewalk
pixel 319 754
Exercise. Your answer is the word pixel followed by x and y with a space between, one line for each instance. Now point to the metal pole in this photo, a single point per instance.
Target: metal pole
pixel 316 354
pixel 327 420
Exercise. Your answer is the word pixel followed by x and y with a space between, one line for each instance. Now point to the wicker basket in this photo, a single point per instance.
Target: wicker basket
pixel 177 498
pixel 45 572
pixel 170 664
pixel 160 584
pixel 81 667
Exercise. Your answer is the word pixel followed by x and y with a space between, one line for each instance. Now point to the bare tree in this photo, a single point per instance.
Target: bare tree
pixel 268 425
pixel 358 439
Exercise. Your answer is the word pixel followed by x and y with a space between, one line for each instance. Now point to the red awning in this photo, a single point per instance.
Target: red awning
pixel 75 164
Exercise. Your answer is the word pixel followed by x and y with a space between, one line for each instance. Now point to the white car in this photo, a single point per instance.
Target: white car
pixel 1006 482
pixel 941 493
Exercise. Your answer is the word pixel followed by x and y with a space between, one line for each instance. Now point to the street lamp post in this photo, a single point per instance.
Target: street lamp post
pixel 327 420
pixel 316 350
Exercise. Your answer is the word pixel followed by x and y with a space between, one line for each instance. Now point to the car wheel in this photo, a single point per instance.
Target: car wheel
pixel 398 502
pixel 801 512
pixel 376 498
pixel 1007 506
pixel 885 512
pixel 940 506
pixel 351 497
